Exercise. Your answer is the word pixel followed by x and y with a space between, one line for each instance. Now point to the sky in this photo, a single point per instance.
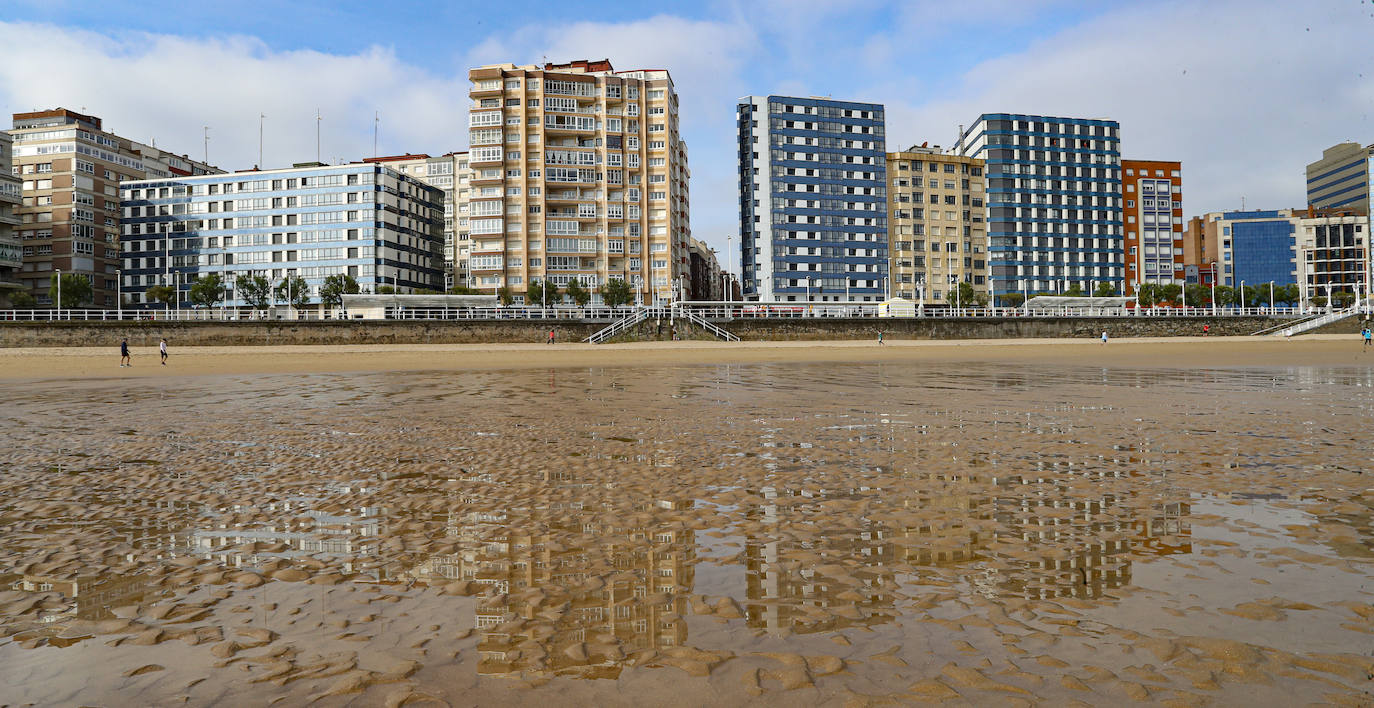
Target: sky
pixel 1245 94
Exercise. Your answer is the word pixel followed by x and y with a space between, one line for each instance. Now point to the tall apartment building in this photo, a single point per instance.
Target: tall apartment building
pixel 1054 200
pixel 71 170
pixel 1253 247
pixel 1341 178
pixel 311 221
pixel 707 281
pixel 937 236
pixel 577 173
pixel 1332 252
pixel 812 199
pixel 11 252
pixel 450 174
pixel 1199 264
pixel 1153 194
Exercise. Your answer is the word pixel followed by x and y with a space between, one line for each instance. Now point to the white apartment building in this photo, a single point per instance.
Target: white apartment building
pixel 11 251
pixel 577 173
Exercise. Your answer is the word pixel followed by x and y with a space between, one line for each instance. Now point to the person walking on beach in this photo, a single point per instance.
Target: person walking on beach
pixel 1104 336
pixel 550 336
pixel 1367 334
pixel 880 337
pixel 162 349
pixel 124 358
pixel 1206 330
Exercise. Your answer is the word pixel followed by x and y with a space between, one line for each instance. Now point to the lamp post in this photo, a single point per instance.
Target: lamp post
pixel 59 291
pixel 1271 296
pixel 1241 298
pixel 1214 289
pixel 119 292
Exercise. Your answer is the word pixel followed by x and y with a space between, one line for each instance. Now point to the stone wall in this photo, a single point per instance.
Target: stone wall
pixel 108 334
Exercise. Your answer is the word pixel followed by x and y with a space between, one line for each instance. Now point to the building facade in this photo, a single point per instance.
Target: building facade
pixel 71 170
pixel 1253 247
pixel 11 196
pixel 937 234
pixel 1199 264
pixel 1153 194
pixel 707 276
pixel 813 203
pixel 450 174
pixel 578 172
pixel 1341 178
pixel 1054 201
pixel 1333 253
pixel 310 221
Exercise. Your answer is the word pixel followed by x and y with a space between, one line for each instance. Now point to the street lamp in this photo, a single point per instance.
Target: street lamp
pixel 119 292
pixel 1214 288
pixel 59 291
pixel 1241 298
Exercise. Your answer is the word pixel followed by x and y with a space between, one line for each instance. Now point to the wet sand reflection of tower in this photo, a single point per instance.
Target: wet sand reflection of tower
pixel 801 586
pixel 580 595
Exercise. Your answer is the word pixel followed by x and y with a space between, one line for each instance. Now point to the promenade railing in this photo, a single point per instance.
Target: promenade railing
pixel 706 310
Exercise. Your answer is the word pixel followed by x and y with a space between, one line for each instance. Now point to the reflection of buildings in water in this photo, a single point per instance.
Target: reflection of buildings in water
pixel 84 597
pixel 783 594
pixel 575 596
pixel 299 531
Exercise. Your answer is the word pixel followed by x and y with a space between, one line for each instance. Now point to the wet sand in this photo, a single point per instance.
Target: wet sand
pixel 1190 352
pixel 828 524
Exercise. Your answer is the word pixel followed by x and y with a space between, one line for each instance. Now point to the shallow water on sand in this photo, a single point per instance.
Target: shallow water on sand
pixel 690 535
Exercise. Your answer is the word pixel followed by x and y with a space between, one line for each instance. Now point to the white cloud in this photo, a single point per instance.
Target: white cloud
pixel 164 88
pixel 1245 95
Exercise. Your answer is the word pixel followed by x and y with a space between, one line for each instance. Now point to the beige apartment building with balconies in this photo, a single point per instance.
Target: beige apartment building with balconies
pixel 577 173
pixel 451 174
pixel 69 218
pixel 936 223
pixel 11 252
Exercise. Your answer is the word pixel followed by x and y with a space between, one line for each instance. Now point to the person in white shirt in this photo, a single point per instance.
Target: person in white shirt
pixel 162 349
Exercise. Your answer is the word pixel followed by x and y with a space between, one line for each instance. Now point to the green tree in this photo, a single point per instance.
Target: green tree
pixel 1074 290
pixel 335 287
pixel 1226 295
pixel 76 290
pixel 966 296
pixel 22 300
pixel 426 291
pixel 579 294
pixel 207 290
pixel 294 290
pixel 1012 299
pixel 385 290
pixel 1319 301
pixel 163 294
pixel 1104 289
pixel 1146 294
pixel 255 290
pixel 536 291
pixel 504 295
pixel 1287 294
pixel 1198 295
pixel 1170 293
pixel 616 293
pixel 463 290
pixel 1343 299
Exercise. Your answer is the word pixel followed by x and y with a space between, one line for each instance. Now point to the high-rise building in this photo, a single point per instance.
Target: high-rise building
pixel 11 253
pixel 577 173
pixel 1341 179
pixel 1153 194
pixel 812 199
pixel 706 281
pixel 1054 201
pixel 71 170
pixel 310 221
pixel 937 236
pixel 1199 264
pixel 1253 247
pixel 448 173
pixel 1332 253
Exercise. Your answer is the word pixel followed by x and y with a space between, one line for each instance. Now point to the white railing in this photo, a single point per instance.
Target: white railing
pixel 704 309
pixel 1360 306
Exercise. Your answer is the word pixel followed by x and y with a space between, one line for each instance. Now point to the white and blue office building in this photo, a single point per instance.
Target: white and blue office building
pixel 312 221
pixel 812 199
pixel 1053 201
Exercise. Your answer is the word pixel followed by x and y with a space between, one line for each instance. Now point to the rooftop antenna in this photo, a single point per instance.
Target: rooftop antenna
pixel 207 144
pixel 376 125
pixel 317 134
pixel 261 117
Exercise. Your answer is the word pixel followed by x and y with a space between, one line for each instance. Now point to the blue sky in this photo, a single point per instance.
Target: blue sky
pixel 1244 93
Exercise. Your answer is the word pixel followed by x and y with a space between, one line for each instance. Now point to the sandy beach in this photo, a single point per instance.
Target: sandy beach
pixel 1184 352
pixel 1176 522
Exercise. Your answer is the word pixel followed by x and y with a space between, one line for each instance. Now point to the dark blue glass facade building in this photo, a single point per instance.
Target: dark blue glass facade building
pixel 813 199
pixel 1054 201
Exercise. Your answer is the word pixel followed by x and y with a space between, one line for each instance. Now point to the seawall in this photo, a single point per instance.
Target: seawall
pixel 144 333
